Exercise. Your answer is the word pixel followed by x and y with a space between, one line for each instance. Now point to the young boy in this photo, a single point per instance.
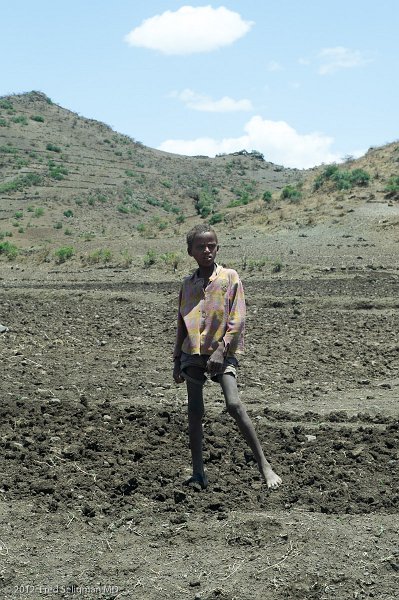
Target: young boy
pixel 210 332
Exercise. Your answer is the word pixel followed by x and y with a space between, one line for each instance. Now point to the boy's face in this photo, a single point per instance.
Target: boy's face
pixel 204 249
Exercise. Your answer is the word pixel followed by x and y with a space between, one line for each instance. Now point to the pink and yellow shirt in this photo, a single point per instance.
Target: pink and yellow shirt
pixel 208 316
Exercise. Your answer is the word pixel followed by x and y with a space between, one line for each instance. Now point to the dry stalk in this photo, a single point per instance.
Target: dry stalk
pixel 94 475
pixel 3 549
pixel 289 552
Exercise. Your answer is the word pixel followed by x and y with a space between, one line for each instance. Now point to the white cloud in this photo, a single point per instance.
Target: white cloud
pixel 189 29
pixel 279 142
pixel 339 57
pixel 206 104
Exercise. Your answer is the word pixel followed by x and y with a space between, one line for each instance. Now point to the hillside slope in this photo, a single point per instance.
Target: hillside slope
pixel 68 181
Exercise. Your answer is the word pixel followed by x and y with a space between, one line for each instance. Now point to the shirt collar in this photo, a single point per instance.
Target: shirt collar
pixel 215 273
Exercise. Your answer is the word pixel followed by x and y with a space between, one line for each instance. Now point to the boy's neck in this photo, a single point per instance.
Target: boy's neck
pixel 206 272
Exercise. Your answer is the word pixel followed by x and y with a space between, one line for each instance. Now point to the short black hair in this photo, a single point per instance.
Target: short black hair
pixel 198 229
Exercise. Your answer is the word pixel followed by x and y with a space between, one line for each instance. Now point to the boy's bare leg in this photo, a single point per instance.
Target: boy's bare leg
pixel 237 410
pixel 195 430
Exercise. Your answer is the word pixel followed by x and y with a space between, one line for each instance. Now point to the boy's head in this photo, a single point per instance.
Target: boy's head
pixel 198 230
pixel 202 245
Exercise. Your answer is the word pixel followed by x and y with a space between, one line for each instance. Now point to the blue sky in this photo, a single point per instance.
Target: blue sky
pixel 303 82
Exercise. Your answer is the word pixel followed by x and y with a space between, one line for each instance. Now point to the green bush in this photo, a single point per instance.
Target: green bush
pixel 53 148
pixel 290 192
pixel 6 104
pixel 150 258
pixel 3 123
pixel 216 218
pixel 39 212
pixel 267 196
pixel 37 118
pixel 99 256
pixel 392 188
pixel 9 250
pixel 21 119
pixel 8 150
pixel 58 225
pixel 20 183
pixel 153 202
pixel 64 253
pixel 68 213
pixel 57 171
pixel 342 179
pixel 18 214
pixel 171 259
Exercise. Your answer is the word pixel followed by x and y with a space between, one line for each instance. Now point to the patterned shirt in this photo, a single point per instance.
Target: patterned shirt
pixel 208 316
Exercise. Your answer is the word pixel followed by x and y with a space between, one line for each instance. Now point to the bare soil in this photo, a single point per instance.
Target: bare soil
pixel 94 437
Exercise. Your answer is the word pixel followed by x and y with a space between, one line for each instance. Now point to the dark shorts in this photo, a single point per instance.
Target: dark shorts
pixel 199 360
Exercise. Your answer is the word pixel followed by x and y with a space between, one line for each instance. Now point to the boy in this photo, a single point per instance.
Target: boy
pixel 210 331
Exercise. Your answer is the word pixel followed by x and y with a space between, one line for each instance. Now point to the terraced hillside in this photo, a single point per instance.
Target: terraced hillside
pixel 53 162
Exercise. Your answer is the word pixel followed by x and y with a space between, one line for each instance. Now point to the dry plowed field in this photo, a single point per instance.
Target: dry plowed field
pixel 94 445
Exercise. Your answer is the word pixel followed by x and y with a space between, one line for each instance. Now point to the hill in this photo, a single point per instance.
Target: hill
pixel 71 182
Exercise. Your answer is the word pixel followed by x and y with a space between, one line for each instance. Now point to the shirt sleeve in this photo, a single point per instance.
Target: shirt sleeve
pixel 181 332
pixel 234 334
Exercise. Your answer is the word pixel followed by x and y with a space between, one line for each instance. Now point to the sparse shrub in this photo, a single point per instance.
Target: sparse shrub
pixel 150 258
pixel 153 201
pixel 58 225
pixel 37 118
pixel 205 202
pixel 290 192
pixel 342 179
pixel 21 119
pixel 256 264
pixel 18 214
pixel 57 171
pixel 171 259
pixel 39 212
pixel 9 250
pixel 216 218
pixel 267 196
pixel 6 104
pixel 392 188
pixel 68 213
pixel 3 123
pixel 122 208
pixel 67 231
pixel 20 183
pixel 180 219
pixel 126 259
pixel 99 256
pixel 166 184
pixel 53 147
pixel 8 150
pixel 65 253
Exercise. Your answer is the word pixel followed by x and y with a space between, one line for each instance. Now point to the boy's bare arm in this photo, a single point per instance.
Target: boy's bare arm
pixel 216 360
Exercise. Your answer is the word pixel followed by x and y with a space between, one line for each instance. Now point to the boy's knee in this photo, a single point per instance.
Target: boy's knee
pixel 235 408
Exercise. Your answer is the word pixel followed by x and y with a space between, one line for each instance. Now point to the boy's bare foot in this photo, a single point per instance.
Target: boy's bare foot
pixel 199 478
pixel 273 481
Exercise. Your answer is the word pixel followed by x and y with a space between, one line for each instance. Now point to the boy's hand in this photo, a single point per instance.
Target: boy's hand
pixel 216 360
pixel 176 372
